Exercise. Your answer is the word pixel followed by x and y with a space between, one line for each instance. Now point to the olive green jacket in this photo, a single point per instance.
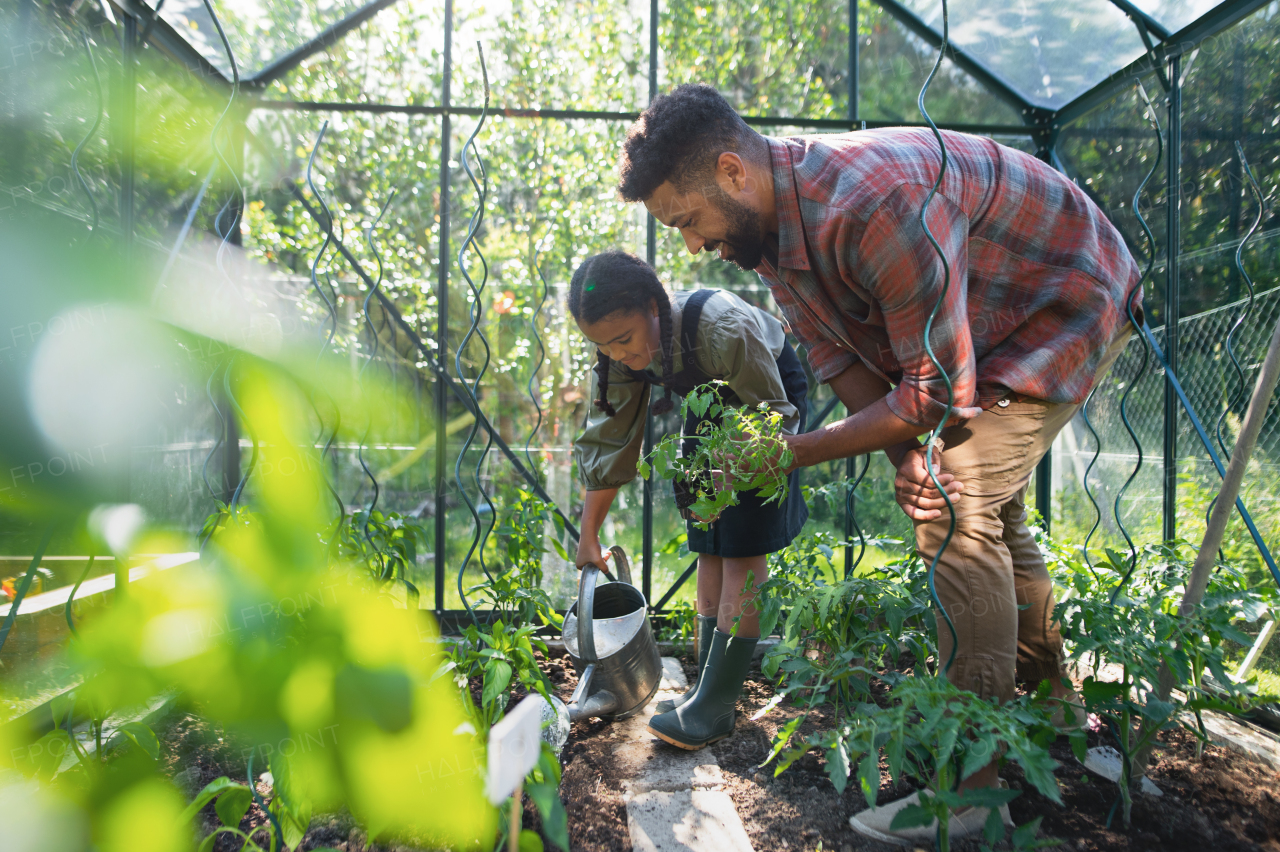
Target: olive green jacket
pixel 736 342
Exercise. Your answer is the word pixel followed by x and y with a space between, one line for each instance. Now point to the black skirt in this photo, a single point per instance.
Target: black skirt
pixel 752 528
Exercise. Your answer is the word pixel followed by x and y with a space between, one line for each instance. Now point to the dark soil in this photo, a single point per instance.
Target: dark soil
pixel 196 752
pixel 589 786
pixel 1219 802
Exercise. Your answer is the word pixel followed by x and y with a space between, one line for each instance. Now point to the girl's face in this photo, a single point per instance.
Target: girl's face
pixel 632 339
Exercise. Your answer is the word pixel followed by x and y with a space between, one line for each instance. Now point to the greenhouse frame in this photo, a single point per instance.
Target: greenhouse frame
pixel 372 212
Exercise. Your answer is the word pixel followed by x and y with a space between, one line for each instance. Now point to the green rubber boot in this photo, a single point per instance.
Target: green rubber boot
pixel 709 716
pixel 706 626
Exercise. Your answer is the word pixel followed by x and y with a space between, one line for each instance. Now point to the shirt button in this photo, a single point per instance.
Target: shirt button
pixel 1004 403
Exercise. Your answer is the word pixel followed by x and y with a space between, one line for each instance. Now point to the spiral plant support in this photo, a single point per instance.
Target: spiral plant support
pixel 224 235
pixel 369 359
pixel 851 516
pixel 1239 395
pixel 934 436
pixel 1088 489
pixel 1134 293
pixel 480 183
pixel 325 223
pixel 532 387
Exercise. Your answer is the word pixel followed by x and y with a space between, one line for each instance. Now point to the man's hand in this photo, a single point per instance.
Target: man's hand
pixel 589 553
pixel 914 489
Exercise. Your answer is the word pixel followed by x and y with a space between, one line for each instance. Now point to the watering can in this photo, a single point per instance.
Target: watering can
pixel 608 637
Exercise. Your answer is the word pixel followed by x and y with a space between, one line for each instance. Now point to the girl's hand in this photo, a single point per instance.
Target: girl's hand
pixel 589 553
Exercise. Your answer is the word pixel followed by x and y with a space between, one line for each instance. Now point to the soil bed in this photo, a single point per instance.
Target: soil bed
pixel 1221 801
pixel 196 752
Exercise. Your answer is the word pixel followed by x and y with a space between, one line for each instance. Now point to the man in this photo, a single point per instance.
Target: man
pixel 1033 314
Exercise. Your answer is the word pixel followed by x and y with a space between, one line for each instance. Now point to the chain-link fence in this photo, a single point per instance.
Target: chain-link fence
pixel 1219 395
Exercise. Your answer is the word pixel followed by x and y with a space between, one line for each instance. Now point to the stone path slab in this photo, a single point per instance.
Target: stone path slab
pixel 687 819
pixel 675 798
pixel 1246 739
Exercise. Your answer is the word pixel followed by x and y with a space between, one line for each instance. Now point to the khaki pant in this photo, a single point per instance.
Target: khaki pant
pixel 992 565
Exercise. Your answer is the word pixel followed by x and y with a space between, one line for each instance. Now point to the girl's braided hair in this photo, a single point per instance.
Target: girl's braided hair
pixel 616 282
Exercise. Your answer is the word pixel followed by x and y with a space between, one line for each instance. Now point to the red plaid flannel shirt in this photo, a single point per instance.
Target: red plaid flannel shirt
pixel 1038 274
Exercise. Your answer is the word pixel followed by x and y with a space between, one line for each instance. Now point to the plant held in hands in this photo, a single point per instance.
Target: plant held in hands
pixel 738 449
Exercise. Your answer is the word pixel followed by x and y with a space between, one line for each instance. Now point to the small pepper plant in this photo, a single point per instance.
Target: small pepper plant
pixel 739 449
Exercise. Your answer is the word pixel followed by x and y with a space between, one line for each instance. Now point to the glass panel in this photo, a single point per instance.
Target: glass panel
pixel 1230 94
pixel 1108 153
pixel 551 193
pixel 395 58
pixel 1176 14
pixel 893 64
pixel 362 159
pixel 1048 51
pixel 538 57
pixel 789 58
pixel 258 30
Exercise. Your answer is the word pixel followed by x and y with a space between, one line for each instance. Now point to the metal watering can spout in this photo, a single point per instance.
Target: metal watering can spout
pixel 618 676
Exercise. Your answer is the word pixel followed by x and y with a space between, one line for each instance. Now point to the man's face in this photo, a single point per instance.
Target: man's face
pixel 711 220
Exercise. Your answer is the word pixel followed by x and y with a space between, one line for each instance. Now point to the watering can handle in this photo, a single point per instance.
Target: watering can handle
pixel 621 565
pixel 587 599
pixel 586 606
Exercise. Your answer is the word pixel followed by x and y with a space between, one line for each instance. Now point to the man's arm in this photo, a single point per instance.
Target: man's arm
pixel 872 426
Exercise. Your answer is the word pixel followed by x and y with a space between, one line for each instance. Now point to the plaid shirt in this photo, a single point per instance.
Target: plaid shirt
pixel 1038 274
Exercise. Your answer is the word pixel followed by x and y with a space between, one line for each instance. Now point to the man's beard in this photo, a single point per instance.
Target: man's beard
pixel 743 231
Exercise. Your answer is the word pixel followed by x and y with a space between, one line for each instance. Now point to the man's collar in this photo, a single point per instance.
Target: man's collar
pixel 792 253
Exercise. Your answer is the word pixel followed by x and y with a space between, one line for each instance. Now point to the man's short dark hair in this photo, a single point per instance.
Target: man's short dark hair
pixel 679 138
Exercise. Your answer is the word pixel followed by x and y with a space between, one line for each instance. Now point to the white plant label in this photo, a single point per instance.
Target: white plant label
pixel 514 746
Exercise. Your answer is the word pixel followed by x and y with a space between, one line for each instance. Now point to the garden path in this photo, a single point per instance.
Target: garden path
pixel 675 799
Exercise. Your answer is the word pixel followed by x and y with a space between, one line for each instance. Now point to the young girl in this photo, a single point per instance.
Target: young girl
pixel 645 336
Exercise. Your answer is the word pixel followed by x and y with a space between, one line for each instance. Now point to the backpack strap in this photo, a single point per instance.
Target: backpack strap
pixel 689 320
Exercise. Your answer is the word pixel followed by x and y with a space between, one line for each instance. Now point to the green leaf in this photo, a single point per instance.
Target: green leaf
pixel 838 764
pixel 987 797
pixel 206 795
pixel 910 817
pixel 143 737
pixel 383 696
pixel 782 738
pixel 993 829
pixel 1096 692
pixel 294 819
pixel 555 821
pixel 529 841
pixel 291 809
pixel 1024 835
pixel 497 676
pixel 869 776
pixel 233 804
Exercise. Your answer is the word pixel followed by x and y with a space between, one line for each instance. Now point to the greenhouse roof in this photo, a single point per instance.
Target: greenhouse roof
pixel 1045 57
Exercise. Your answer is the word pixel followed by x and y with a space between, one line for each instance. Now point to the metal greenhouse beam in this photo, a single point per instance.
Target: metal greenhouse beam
pixel 167 40
pixel 835 124
pixel 1183 41
pixel 1031 113
pixel 1152 25
pixel 285 63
